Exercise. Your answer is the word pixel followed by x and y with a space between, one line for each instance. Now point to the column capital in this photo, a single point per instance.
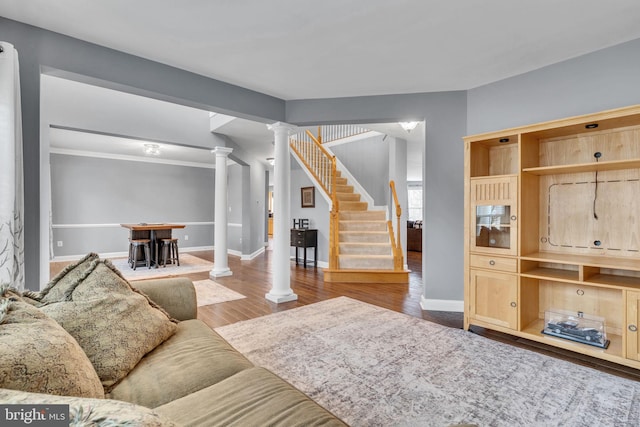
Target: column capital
pixel 282 126
pixel 222 151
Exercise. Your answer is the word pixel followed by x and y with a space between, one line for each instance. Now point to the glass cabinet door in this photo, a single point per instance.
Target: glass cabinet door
pixel 493 226
pixel 494 205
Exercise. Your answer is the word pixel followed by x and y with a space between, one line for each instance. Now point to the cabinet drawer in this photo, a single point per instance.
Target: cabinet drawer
pixel 494 262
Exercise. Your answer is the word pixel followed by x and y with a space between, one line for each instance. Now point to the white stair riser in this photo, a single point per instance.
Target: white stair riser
pixel 357 262
pixel 363 226
pixel 365 249
pixel 364 237
pixel 353 206
pixel 363 216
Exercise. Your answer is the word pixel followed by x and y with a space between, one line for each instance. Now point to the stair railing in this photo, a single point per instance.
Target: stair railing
pixel 396 244
pixel 322 165
pixel 330 133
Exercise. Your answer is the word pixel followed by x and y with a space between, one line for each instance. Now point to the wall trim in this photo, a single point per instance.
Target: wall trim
pixel 249 257
pixel 321 264
pixel 441 304
pixel 107 225
pixel 124 254
pixel 111 156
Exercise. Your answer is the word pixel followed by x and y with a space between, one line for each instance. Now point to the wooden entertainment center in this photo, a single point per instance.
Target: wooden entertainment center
pixel 552 222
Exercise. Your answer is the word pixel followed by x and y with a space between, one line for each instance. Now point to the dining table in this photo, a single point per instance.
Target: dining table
pixel 154 231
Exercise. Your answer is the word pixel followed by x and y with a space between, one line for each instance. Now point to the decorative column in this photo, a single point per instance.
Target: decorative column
pixel 281 285
pixel 220 260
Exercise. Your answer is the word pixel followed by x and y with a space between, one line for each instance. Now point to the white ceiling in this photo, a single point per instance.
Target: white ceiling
pixel 297 49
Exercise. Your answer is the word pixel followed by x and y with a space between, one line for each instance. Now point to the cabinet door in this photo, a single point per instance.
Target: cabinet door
pixel 633 321
pixel 494 214
pixel 493 298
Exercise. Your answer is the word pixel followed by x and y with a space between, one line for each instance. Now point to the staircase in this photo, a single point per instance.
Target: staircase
pixel 361 240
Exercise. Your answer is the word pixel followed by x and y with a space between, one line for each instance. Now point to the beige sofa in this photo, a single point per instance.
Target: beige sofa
pixel 192 378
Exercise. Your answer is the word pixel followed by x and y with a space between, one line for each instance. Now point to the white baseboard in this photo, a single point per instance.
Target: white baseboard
pixel 321 264
pixel 441 304
pixel 252 256
pixel 104 255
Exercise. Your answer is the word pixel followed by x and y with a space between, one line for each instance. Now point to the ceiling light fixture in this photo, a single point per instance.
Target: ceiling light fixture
pixel 408 126
pixel 152 149
pixel 271 161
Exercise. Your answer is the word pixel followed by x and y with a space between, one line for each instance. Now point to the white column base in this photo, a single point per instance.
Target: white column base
pixel 220 273
pixel 281 298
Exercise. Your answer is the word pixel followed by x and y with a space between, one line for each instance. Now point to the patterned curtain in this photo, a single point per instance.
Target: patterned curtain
pixel 11 175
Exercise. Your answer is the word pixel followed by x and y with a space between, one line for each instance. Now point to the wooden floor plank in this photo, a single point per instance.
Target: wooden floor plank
pixel 253 279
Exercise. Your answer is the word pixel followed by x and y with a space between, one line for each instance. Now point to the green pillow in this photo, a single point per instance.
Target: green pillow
pixel 38 355
pixel 60 287
pixel 114 324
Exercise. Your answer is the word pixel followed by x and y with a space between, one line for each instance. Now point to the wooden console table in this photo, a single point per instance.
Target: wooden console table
pixel 305 238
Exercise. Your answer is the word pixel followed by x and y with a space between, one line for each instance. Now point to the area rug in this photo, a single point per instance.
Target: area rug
pixel 375 367
pixel 209 292
pixel 188 264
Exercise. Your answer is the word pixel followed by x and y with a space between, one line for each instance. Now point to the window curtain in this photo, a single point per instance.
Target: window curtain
pixel 11 174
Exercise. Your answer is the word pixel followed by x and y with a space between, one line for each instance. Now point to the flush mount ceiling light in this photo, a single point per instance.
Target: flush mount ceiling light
pixel 152 149
pixel 271 161
pixel 408 126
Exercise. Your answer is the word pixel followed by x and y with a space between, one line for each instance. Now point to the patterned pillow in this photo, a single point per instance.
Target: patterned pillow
pixel 39 356
pixel 59 288
pixel 114 324
pixel 91 412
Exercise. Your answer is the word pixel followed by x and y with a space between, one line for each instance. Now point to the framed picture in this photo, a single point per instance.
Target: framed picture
pixel 308 197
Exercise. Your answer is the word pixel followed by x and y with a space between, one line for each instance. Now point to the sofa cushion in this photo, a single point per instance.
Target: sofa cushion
pixel 86 412
pixel 253 397
pixel 193 358
pixel 115 325
pixel 38 355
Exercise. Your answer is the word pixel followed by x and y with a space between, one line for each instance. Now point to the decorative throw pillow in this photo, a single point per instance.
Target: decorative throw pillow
pixel 114 324
pixel 61 286
pixel 85 412
pixel 38 355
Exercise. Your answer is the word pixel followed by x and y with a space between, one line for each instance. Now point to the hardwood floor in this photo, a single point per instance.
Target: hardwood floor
pixel 253 279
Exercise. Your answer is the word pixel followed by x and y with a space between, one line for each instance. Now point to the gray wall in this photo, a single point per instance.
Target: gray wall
pixel 368 161
pixel 235 207
pixel 445 117
pixel 602 80
pixel 318 216
pixel 54 53
pixel 106 192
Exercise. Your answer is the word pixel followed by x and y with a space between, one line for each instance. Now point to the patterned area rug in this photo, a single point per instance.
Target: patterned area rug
pixel 209 292
pixel 188 264
pixel 375 367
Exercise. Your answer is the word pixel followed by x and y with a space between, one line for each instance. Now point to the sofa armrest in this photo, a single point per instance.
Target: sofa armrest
pixel 176 295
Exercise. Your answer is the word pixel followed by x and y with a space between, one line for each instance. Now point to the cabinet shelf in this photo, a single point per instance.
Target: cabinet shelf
pixel 534 329
pixel 631 264
pixel 584 167
pixel 612 280
pixel 555 274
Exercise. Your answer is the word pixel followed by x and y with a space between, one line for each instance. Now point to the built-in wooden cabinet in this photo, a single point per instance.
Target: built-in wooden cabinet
pixel 631 332
pixel 493 298
pixel 553 223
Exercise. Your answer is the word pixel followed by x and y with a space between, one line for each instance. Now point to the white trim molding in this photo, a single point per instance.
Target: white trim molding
pixel 441 304
pixel 125 157
pixel 108 225
pixel 249 257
